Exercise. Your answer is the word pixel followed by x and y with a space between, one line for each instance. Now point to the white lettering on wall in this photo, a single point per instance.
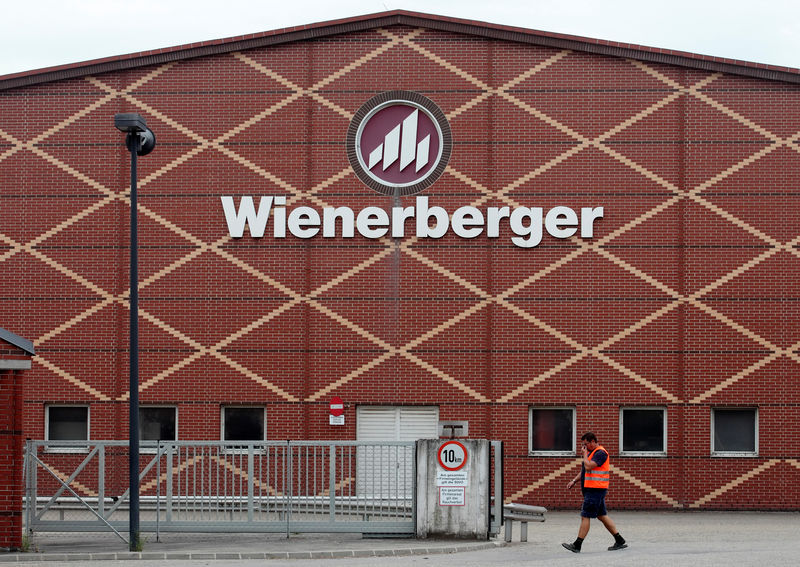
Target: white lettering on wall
pixel 532 227
pixel 246 215
pixel 528 224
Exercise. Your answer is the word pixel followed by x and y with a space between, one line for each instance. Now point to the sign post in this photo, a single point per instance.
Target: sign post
pixel 453 488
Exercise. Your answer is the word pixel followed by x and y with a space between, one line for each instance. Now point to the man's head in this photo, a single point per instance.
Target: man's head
pixel 589 440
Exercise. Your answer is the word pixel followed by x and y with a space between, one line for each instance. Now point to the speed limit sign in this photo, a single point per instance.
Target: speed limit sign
pixel 452 456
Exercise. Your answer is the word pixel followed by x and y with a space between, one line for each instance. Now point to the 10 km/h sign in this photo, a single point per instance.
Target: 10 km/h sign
pixel 452 456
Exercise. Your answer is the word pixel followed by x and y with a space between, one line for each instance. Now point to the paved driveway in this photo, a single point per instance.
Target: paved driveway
pixel 656 538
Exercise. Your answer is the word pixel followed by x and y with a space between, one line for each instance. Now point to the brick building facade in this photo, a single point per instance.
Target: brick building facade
pixel 677 318
pixel 15 358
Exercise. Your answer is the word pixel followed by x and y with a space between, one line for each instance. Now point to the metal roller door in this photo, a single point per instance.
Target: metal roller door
pixel 388 471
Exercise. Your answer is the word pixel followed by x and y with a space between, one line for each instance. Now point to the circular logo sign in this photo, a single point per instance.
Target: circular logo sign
pixel 452 456
pixel 399 143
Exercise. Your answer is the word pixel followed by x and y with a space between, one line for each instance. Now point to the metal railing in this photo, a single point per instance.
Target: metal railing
pixel 522 513
pixel 212 486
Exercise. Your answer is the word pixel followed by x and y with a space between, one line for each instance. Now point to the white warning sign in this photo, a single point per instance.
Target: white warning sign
pixel 451 478
pixel 451 495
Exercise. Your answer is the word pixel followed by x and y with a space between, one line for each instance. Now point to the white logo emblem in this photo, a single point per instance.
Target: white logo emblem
pixel 406 147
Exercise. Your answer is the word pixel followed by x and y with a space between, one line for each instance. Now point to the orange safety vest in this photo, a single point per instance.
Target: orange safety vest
pixel 598 476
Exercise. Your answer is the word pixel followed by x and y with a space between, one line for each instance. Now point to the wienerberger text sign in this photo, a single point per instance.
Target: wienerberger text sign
pixel 527 223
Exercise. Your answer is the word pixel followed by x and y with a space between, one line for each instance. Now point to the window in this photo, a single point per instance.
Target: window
pixel 67 423
pixel 734 431
pixel 552 431
pixel 643 431
pixel 243 424
pixel 158 424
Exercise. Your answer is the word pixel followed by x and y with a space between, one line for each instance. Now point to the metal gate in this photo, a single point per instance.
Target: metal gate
pixel 208 486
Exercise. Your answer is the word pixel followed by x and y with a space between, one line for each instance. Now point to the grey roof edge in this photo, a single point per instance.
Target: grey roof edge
pixel 400 17
pixel 17 341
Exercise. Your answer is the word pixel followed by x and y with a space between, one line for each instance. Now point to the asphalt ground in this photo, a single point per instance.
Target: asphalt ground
pixel 655 538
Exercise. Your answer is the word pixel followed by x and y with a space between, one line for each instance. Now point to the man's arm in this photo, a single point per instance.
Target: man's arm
pixel 591 463
pixel 571 483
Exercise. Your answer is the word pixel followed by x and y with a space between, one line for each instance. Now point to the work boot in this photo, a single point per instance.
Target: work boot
pixel 572 548
pixel 618 546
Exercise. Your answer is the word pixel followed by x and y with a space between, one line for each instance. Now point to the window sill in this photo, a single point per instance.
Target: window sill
pixel 733 454
pixel 552 454
pixel 78 450
pixel 233 448
pixel 152 450
pixel 655 454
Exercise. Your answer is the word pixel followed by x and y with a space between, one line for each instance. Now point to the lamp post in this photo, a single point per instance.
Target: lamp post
pixel 140 141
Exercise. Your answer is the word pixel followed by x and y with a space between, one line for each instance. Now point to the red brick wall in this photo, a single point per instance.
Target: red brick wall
pixel 12 487
pixel 685 298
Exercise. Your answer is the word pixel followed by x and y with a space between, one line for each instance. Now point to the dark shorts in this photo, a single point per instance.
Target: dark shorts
pixel 594 504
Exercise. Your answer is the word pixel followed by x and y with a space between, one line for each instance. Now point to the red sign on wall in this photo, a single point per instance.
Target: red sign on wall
pixel 452 456
pixel 337 406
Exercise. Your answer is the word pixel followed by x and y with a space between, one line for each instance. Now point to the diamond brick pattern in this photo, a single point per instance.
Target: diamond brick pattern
pixel 685 298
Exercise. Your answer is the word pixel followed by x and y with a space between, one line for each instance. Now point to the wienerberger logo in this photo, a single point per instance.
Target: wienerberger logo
pixel 399 143
pixel 407 150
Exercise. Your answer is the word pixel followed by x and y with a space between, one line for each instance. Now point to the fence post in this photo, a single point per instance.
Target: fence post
pixel 168 497
pixel 414 481
pixel 250 483
pixel 498 484
pixel 332 482
pixel 34 482
pixel 30 486
pixel 158 490
pixel 287 484
pixel 101 482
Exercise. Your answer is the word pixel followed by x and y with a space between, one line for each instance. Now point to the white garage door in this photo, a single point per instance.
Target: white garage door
pixel 388 471
pixel 398 423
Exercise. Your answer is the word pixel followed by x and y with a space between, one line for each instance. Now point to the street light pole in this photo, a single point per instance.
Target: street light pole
pixel 133 359
pixel 139 140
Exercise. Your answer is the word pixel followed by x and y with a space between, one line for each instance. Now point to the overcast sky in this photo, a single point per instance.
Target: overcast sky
pixel 43 33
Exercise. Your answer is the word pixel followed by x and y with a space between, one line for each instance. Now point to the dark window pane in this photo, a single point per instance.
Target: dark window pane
pixel 552 430
pixel 157 424
pixel 643 430
pixel 244 424
pixel 735 430
pixel 68 423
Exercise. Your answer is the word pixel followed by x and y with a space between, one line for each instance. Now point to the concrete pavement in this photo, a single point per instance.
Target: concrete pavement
pixel 656 538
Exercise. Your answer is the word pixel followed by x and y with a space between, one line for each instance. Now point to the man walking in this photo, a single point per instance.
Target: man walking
pixel 594 478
